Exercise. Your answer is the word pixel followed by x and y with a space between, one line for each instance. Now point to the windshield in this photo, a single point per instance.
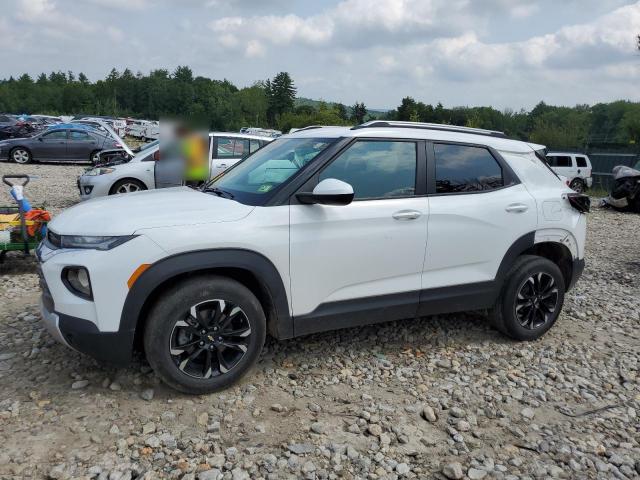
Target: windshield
pixel 256 179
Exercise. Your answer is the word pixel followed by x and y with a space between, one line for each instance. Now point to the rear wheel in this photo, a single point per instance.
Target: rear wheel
pixel 21 155
pixel 578 185
pixel 127 185
pixel 204 334
pixel 531 299
pixel 94 156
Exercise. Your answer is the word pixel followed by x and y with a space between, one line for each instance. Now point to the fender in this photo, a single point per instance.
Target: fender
pixel 516 249
pixel 192 262
pixel 558 235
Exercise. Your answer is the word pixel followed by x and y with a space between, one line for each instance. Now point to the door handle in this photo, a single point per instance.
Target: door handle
pixel 517 208
pixel 406 215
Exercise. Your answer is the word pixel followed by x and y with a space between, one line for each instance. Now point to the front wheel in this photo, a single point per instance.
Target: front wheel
pixel 531 299
pixel 204 334
pixel 21 155
pixel 127 185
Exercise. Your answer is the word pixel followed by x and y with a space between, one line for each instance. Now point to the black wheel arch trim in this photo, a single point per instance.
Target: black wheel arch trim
pixel 170 267
pixel 329 316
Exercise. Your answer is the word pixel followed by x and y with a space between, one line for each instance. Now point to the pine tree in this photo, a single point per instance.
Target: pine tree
pixel 359 111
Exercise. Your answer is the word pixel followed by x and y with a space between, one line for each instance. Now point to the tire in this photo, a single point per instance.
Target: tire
pixel 170 325
pixel 94 156
pixel 577 185
pixel 21 155
pixel 511 314
pixel 127 185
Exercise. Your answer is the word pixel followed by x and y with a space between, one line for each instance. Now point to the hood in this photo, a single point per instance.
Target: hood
pixel 125 214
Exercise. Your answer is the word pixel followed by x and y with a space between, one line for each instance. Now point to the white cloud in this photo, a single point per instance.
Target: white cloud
pixel 123 4
pixel 45 13
pixel 254 49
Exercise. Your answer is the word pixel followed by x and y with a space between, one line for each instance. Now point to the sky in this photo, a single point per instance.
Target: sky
pixel 500 53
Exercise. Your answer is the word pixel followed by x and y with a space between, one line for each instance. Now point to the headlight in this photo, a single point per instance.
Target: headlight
pixel 76 279
pixel 90 242
pixel 98 171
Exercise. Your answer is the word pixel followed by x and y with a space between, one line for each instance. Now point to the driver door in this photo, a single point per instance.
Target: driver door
pixel 350 264
pixel 52 146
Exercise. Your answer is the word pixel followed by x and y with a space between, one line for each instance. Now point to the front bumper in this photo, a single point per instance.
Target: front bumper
pixel 83 336
pixel 93 326
pixel 92 187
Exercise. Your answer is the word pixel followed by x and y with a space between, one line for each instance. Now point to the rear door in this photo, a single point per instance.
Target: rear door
pixel 583 166
pixel 478 209
pixel 80 144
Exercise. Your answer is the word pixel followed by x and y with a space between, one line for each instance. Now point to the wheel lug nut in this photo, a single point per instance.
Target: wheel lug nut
pixel 201 343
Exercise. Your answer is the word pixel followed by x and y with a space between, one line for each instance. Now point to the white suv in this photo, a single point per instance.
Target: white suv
pixel 321 229
pixel 575 167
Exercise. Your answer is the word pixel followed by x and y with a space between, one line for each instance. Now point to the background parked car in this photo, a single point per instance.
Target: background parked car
pixel 575 166
pixel 118 125
pixel 121 174
pixel 143 129
pixel 227 149
pixel 7 120
pixel 58 144
pixel 145 172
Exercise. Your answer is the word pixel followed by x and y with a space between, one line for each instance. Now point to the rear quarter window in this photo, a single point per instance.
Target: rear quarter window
pixel 581 162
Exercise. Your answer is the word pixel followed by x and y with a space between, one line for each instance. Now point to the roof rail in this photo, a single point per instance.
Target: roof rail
pixel 429 126
pixel 312 127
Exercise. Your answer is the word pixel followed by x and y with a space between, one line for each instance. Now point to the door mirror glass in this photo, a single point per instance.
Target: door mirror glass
pixel 329 191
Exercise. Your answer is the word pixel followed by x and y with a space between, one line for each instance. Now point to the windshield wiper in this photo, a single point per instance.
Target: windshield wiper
pixel 219 192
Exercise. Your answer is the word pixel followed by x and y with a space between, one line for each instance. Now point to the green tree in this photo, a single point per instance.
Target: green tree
pixel 281 95
pixel 359 111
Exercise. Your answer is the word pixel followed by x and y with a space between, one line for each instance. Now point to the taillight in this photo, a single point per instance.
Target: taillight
pixel 579 201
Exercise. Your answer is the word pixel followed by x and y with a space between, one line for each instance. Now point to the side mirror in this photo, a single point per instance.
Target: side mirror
pixel 329 191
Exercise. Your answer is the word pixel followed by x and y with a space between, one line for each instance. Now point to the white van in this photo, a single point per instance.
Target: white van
pixel 576 167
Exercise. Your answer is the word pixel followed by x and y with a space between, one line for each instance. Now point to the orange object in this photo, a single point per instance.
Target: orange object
pixel 137 272
pixel 38 217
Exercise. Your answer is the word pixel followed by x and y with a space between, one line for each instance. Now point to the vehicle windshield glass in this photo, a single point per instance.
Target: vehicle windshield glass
pixel 254 180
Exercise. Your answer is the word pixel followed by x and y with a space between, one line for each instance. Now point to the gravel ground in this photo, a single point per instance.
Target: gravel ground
pixel 439 397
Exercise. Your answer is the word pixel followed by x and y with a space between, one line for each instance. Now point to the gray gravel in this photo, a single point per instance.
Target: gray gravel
pixel 440 397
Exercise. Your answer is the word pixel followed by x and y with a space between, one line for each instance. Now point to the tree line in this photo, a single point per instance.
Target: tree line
pixel 220 105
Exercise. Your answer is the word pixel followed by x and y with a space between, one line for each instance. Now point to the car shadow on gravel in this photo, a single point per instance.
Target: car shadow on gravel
pixel 387 342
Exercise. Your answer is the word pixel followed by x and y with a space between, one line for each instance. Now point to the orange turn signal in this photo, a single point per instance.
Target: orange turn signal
pixel 138 271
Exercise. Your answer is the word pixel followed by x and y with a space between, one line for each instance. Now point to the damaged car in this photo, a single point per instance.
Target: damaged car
pixel 625 193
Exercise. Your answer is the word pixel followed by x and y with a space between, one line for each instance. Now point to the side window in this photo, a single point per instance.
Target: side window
pixel 461 168
pixel 75 135
pixel 254 145
pixel 582 162
pixel 559 161
pixel 240 148
pixel 377 169
pixel 225 147
pixel 56 135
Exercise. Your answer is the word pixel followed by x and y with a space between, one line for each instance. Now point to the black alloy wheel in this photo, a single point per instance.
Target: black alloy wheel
pixel 211 339
pixel 537 301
